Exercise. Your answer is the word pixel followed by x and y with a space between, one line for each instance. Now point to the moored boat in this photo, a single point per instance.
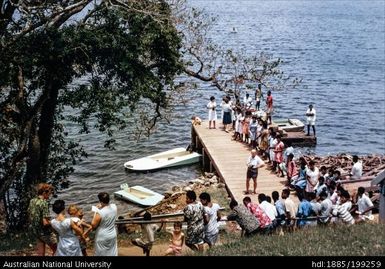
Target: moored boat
pixel 166 159
pixel 139 195
pixel 289 125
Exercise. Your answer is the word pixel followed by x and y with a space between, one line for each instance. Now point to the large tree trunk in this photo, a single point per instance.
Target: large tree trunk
pixel 47 121
pixel 33 168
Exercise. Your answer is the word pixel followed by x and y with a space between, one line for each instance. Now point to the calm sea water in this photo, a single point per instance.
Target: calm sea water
pixel 335 47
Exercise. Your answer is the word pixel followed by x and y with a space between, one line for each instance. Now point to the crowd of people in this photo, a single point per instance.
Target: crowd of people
pixel 322 198
pixel 67 233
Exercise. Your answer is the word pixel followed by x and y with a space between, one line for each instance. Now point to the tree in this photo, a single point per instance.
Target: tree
pixel 127 55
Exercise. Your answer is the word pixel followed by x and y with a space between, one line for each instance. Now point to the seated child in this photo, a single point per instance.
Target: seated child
pixel 177 240
pixel 196 120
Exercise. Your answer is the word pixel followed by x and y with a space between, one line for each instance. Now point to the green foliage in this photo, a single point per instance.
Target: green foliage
pixel 357 240
pixel 122 56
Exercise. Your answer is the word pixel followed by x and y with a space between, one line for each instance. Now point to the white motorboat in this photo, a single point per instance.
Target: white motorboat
pixel 139 195
pixel 170 158
pixel 289 125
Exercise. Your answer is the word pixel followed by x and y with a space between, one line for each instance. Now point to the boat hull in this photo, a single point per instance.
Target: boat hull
pixel 289 125
pixel 167 159
pixel 139 195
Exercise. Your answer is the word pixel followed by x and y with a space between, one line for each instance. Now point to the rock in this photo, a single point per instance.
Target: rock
pixel 176 188
pixel 172 206
pixel 187 188
pixel 213 180
pixel 167 194
pixel 207 183
pixel 221 185
pixel 198 181
pixel 209 175
pixel 177 193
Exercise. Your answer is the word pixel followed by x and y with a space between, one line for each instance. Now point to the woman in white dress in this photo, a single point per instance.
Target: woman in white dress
pixel 212 111
pixel 104 223
pixel 68 241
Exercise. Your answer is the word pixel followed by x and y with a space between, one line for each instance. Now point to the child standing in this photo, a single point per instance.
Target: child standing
pixel 177 240
pixel 212 112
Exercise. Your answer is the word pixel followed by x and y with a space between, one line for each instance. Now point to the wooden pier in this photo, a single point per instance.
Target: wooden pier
pixel 228 158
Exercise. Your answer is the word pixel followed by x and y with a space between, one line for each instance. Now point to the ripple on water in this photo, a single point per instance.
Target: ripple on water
pixel 335 47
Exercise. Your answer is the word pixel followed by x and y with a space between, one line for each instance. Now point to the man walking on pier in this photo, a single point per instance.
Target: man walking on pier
pixel 253 163
pixel 311 115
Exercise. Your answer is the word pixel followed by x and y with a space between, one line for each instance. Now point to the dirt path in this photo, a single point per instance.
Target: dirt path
pixel 157 250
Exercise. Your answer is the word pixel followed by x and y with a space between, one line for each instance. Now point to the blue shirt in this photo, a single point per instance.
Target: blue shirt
pixel 304 211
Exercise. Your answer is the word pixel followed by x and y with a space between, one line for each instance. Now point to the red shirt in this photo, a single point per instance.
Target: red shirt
pixel 258 212
pixel 291 169
pixel 269 101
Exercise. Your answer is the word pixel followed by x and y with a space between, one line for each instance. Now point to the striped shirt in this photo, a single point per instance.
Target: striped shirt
pixel 342 212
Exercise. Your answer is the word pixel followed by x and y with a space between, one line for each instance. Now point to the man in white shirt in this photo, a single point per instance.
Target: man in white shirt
pixel 356 172
pixel 269 209
pixel 364 205
pixel 253 163
pixel 247 101
pixel 311 116
pixel 291 208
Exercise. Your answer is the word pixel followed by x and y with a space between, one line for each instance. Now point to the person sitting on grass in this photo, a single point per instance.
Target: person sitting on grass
pixel 291 209
pixel 326 208
pixel 177 240
pixel 304 211
pixel 365 206
pixel 266 225
pixel 280 207
pixel 266 206
pixel 341 211
pixel 246 220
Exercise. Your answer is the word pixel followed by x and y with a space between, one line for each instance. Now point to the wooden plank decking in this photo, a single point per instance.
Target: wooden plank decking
pixel 229 157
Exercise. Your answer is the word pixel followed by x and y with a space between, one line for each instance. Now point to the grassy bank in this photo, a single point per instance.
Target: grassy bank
pixel 341 240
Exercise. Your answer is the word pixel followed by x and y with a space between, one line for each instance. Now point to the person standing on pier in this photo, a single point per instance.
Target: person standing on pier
pixel 311 116
pixel 258 97
pixel 253 163
pixel 269 109
pixel 212 112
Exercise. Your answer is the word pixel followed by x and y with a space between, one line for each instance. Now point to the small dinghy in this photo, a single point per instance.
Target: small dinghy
pixel 139 195
pixel 170 158
pixel 289 125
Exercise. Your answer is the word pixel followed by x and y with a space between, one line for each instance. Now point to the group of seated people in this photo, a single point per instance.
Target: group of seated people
pixel 330 205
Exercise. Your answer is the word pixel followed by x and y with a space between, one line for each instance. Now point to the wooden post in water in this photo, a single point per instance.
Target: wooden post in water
pixel 203 159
